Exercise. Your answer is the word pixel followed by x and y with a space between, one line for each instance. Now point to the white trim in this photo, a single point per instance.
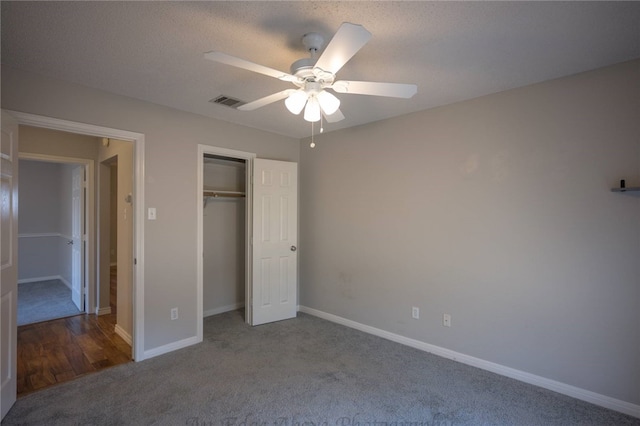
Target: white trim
pixel 174 346
pixel 563 388
pixel 34 120
pixel 122 333
pixel 67 283
pixel 46 278
pixel 248 157
pixel 38 279
pixel 222 309
pixel 103 311
pixel 45 235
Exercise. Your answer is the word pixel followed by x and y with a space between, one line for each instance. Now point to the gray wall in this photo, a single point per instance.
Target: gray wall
pixel 497 211
pixel 171 140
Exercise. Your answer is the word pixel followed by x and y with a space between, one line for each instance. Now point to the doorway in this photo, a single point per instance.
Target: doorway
pixel 224 234
pixel 116 234
pixel 56 351
pixel 53 242
pixel 270 232
pixel 11 120
pixel 137 211
pixel 223 178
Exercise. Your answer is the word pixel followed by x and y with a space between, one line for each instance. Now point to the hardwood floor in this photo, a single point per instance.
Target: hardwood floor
pixel 56 351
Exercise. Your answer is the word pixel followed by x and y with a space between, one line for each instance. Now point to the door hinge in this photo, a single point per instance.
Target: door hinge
pixel 135 261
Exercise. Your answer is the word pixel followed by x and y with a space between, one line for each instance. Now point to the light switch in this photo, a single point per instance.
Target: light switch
pixel 151 215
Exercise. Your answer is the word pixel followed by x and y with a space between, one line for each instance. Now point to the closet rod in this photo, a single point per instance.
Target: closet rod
pixel 216 194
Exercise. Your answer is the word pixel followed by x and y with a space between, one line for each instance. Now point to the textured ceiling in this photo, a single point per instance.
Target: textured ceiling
pixel 452 50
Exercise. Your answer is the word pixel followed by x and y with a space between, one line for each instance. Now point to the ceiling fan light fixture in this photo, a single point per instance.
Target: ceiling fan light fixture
pixel 328 102
pixel 312 111
pixel 296 101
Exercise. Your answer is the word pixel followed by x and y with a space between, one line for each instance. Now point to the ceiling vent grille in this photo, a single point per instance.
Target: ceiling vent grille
pixel 227 101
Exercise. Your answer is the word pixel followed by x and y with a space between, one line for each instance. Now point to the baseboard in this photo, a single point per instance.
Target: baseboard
pixel 563 388
pixel 103 311
pixel 222 309
pixel 38 279
pixel 161 350
pixel 65 282
pixel 120 332
pixel 47 278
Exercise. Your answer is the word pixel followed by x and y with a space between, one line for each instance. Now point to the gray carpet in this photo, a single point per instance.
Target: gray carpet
pixel 43 301
pixel 300 372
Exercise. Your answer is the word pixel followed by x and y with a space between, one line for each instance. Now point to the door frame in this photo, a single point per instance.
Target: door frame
pixel 89 251
pixel 248 157
pixel 27 119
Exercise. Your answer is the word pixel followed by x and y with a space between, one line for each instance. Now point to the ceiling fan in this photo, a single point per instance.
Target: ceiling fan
pixel 313 76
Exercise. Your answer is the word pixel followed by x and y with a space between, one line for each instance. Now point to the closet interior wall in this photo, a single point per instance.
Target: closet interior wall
pixel 224 234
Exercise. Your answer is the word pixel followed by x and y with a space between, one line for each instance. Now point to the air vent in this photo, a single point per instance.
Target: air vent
pixel 227 101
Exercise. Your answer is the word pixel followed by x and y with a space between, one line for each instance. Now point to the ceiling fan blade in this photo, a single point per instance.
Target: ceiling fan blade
pixel 335 117
pixel 266 100
pixel 234 61
pixel 345 43
pixel 393 90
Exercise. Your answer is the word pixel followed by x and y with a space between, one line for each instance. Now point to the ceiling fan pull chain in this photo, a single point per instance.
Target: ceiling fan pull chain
pixel 312 144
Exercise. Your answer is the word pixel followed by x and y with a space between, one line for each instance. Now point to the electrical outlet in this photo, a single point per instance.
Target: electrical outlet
pixel 446 320
pixel 174 313
pixel 415 313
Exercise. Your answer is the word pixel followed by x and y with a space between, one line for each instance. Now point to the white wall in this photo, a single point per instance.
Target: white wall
pixel 171 141
pixel 497 211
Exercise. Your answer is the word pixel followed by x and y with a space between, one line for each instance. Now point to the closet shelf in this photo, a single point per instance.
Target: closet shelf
pixel 208 193
pixel 634 189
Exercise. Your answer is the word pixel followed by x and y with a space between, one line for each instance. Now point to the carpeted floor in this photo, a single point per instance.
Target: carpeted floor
pixel 301 372
pixel 43 301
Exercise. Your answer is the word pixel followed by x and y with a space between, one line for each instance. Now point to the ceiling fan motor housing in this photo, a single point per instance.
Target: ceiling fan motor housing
pixel 303 68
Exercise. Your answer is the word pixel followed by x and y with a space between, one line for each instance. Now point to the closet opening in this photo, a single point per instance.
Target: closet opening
pixel 224 234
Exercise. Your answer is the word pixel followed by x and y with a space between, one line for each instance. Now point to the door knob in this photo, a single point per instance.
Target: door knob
pixel 70 242
pixel 294 248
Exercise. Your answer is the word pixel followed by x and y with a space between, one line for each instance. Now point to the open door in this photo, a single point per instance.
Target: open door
pixel 275 239
pixel 77 233
pixel 8 258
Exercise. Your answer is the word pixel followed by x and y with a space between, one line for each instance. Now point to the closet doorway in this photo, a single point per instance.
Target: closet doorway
pixel 225 226
pixel 260 198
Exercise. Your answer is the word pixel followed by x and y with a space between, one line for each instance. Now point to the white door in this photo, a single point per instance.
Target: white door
pixel 8 256
pixel 275 239
pixel 77 231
